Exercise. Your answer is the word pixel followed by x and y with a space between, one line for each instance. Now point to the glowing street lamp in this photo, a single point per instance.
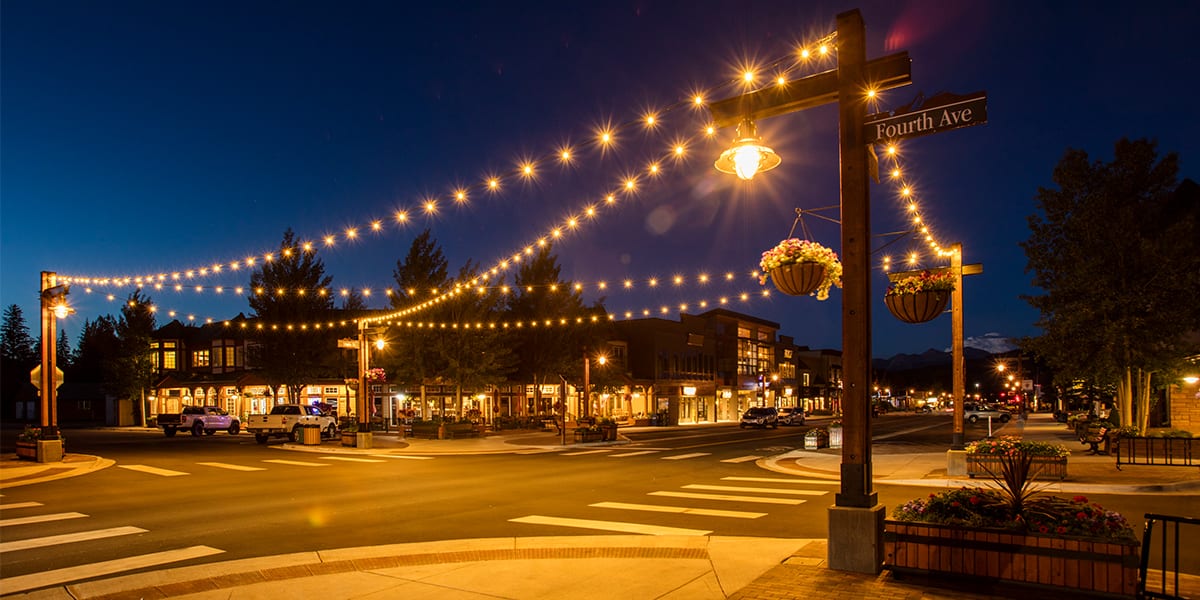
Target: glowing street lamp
pixel 748 155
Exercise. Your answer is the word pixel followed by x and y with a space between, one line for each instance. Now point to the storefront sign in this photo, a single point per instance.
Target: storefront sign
pixel 689 390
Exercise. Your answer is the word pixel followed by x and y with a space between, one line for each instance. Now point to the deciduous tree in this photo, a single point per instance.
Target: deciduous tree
pixel 1114 249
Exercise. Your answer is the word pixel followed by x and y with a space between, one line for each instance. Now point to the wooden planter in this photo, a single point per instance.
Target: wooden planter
pixel 27 450
pixel 1094 566
pixel 349 438
pixel 798 279
pixel 917 308
pixel 1045 467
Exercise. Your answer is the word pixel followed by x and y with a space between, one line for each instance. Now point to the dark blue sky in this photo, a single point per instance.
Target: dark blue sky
pixel 150 137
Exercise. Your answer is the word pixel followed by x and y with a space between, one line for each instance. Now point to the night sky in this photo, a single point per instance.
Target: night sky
pixel 153 137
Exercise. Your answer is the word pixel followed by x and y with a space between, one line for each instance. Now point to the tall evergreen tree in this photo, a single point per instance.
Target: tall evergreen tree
pixel 1115 250
pixel 546 353
pixel 64 357
pixel 97 344
pixel 474 355
pixel 292 290
pixel 133 367
pixel 16 344
pixel 420 275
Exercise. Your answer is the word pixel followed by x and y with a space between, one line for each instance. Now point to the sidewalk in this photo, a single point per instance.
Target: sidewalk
pixel 600 566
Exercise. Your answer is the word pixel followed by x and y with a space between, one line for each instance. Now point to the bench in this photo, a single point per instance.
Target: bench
pixel 453 430
pixel 1160 451
pixel 1093 436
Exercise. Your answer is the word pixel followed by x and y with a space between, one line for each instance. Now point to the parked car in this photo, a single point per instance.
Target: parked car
pixel 765 416
pixel 791 415
pixel 975 412
pixel 200 420
pixel 287 419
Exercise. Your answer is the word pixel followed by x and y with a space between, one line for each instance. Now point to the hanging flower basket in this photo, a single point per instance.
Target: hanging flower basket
pixel 920 298
pixel 918 307
pixel 798 279
pixel 800 267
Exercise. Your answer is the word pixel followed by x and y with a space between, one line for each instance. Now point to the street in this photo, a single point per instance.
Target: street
pixel 214 498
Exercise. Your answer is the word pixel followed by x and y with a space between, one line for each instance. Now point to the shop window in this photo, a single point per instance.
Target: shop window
pixel 200 358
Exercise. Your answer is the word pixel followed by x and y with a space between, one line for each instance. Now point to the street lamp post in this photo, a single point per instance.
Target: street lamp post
pixel 53 307
pixel 856 519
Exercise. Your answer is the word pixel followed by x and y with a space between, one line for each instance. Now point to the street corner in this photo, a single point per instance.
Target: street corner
pixel 15 472
pixel 803 463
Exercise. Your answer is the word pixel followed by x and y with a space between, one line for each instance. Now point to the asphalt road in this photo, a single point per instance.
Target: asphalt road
pixel 229 494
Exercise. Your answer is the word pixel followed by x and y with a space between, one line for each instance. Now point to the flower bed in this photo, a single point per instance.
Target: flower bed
pixel 985 457
pixel 1012 533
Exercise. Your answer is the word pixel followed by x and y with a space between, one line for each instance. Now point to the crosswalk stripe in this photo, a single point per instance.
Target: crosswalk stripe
pixel 23 583
pixel 581 453
pixel 735 488
pixel 20 505
pixel 153 470
pixel 280 461
pixel 231 467
pixel 685 456
pixel 782 480
pixel 54 540
pixel 741 459
pixel 353 459
pixel 608 525
pixel 403 456
pixel 754 499
pixel 41 519
pixel 683 510
pixel 634 453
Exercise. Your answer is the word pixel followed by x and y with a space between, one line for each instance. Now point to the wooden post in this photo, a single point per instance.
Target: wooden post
pixel 956 323
pixel 49 400
pixel 856 488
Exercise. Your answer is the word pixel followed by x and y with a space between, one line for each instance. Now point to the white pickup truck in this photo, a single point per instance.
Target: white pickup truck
pixel 198 420
pixel 286 419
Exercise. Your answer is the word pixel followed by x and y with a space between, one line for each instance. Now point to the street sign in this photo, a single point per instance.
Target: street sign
pixel 940 113
pixel 348 343
pixel 35 377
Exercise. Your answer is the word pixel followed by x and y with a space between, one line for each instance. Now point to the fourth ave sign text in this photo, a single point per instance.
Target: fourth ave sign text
pixel 961 111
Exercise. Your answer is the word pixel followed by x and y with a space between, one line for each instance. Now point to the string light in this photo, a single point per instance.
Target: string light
pixel 918 222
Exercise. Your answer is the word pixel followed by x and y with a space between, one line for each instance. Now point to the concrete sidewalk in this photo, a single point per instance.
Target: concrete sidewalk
pixel 599 566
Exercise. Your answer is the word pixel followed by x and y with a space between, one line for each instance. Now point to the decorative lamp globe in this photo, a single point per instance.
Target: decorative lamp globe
pixel 748 156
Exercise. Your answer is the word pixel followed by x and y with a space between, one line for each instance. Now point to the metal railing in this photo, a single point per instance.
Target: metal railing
pixel 1169 531
pixel 1172 452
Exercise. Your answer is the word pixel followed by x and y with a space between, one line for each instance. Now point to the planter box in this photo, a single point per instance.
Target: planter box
pixel 26 450
pixel 583 436
pixel 349 438
pixel 1102 567
pixel 1045 467
pixel 816 439
pixel 42 451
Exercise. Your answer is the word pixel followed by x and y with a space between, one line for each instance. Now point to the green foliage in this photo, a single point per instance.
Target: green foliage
pixel 132 368
pixel 1009 445
pixel 1114 249
pixel 16 344
pixel 293 358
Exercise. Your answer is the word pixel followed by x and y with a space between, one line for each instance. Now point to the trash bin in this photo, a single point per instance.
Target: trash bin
pixel 835 437
pixel 312 435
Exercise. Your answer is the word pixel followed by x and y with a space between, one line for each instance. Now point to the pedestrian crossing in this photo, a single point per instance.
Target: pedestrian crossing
pixel 700 500
pixel 659 453
pixel 13 527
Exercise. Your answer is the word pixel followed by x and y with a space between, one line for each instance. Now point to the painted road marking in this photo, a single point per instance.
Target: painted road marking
pixel 634 453
pixel 403 456
pixel 741 459
pixel 297 463
pixel 581 453
pixel 22 583
pixel 231 467
pixel 686 456
pixel 780 480
pixel 153 470
pixel 734 488
pixel 67 538
pixel 608 525
pixel 684 510
pixel 728 497
pixel 20 505
pixel 353 459
pixel 41 519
